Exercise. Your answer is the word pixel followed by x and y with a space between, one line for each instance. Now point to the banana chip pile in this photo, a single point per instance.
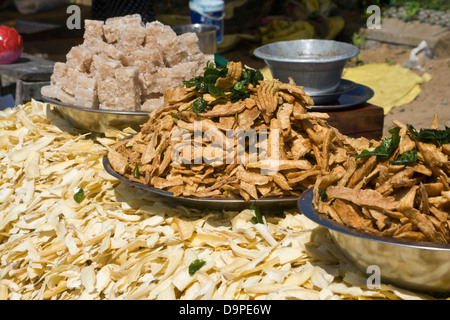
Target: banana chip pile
pixel 397 188
pixel 208 116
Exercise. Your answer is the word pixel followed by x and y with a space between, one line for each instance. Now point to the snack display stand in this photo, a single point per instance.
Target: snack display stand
pixel 76 222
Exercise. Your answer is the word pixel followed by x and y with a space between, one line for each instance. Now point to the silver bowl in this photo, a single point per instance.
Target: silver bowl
pixel 97 120
pixel 315 64
pixel 413 265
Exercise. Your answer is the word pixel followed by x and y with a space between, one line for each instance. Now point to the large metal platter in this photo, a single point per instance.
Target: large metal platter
pixel 96 120
pixel 264 205
pixel 413 265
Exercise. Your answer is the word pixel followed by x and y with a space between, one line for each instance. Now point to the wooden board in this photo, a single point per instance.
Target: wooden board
pixel 365 121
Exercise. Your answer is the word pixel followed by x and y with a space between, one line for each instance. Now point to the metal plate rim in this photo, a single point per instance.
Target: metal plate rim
pixel 344 86
pixel 118 112
pixel 306 207
pixel 327 98
pixel 261 52
pixel 167 194
pixel 369 93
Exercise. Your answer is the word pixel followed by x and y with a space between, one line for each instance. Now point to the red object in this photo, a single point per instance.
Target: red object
pixel 11 45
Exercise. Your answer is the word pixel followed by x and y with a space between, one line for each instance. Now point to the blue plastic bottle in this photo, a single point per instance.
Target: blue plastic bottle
pixel 209 12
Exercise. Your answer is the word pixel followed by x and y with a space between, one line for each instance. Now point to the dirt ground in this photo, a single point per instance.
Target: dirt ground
pixel 434 97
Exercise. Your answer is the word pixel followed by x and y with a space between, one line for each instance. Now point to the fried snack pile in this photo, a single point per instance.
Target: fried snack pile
pixel 301 146
pixel 398 188
pixel 125 65
pixel 115 241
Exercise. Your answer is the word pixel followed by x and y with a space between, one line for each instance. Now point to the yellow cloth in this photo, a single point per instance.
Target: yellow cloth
pixel 393 85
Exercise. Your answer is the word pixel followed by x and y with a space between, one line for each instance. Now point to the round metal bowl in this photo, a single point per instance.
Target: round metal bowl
pixel 96 120
pixel 315 64
pixel 413 265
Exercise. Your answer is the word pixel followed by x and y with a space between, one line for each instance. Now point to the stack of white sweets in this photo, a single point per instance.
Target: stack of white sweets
pixel 125 65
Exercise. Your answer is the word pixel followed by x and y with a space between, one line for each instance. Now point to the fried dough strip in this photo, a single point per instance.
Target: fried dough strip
pixel 267 98
pixel 424 224
pixel 297 91
pixel 233 75
pixel 224 110
pixel 366 197
pixel 283 115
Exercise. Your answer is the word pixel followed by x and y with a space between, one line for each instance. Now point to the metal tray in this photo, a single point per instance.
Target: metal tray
pixel 264 205
pixel 353 97
pixel 413 265
pixel 96 120
pixel 329 98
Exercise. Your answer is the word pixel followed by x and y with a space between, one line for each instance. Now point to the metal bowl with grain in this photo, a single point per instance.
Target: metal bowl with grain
pixel 315 64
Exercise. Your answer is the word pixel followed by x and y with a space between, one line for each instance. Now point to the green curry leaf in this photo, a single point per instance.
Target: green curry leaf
pixel 408 157
pixel 324 196
pixel 439 137
pixel 79 195
pixel 258 217
pixel 195 266
pixel 207 82
pixel 199 106
pixel 136 172
pixel 386 149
